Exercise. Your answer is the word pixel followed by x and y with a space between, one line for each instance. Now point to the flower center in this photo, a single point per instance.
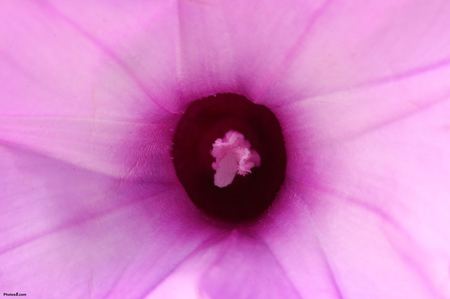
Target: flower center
pixel 233 156
pixel 230 157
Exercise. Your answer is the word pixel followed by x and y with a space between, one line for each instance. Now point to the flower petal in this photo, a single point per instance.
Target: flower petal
pixel 292 238
pixel 87 234
pixel 237 46
pixel 367 183
pixel 396 173
pixel 141 37
pixel 364 43
pixel 245 268
pixel 65 94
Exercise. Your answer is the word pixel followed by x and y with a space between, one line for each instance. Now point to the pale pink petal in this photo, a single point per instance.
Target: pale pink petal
pixel 368 190
pixel 293 239
pixel 71 233
pixel 390 183
pixel 363 214
pixel 238 46
pixel 140 37
pixel 363 43
pixel 65 94
pixel 245 268
pixel 181 50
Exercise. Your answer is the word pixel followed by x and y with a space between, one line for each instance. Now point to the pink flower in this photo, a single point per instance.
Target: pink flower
pixel 90 95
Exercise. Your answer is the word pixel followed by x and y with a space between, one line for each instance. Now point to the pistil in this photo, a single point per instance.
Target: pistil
pixel 233 156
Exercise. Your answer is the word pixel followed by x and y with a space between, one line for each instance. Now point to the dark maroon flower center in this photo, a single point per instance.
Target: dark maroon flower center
pixel 229 155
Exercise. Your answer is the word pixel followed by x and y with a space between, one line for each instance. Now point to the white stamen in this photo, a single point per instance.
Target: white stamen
pixel 233 155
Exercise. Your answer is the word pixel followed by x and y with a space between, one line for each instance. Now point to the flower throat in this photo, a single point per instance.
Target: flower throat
pixel 230 157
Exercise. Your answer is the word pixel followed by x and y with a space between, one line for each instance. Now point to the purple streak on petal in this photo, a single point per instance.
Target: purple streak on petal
pixel 413 263
pixel 125 149
pixel 378 212
pixel 117 228
pixel 445 62
pixel 329 270
pixel 371 109
pixel 421 107
pixel 110 292
pixel 87 215
pixel 331 275
pixel 8 60
pixel 68 225
pixel 393 240
pixel 296 243
pixel 296 48
pixel 280 266
pixel 358 43
pixel 297 240
pixel 245 268
pixel 30 149
pixel 205 245
pixel 394 78
pixel 109 52
pixel 411 73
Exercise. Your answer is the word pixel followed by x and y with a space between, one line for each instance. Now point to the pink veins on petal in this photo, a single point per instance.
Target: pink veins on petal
pixel 233 155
